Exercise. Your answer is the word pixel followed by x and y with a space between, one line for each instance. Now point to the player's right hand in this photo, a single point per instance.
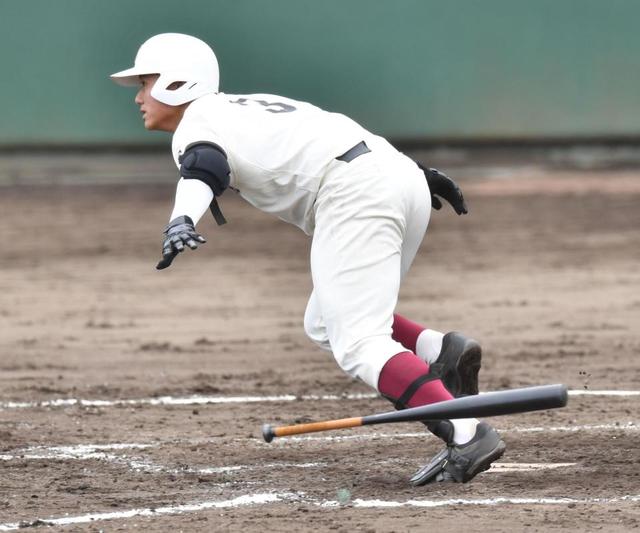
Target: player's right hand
pixel 179 233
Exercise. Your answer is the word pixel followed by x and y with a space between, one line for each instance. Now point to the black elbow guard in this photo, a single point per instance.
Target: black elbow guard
pixel 208 163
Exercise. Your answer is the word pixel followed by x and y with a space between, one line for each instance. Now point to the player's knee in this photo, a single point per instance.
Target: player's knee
pixel 350 357
pixel 364 358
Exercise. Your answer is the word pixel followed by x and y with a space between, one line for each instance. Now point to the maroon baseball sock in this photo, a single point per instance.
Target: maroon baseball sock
pixel 405 380
pixel 406 332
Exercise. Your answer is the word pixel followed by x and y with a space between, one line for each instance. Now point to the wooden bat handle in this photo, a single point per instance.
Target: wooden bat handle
pixel 269 432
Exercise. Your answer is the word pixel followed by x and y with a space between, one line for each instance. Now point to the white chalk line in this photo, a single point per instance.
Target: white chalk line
pixel 206 400
pixel 302 498
pixel 84 452
pixel 249 499
pixel 498 468
pixel 489 501
pixel 77 451
pixel 586 392
pixel 186 400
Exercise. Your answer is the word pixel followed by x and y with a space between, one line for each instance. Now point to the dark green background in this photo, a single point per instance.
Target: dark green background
pixel 409 69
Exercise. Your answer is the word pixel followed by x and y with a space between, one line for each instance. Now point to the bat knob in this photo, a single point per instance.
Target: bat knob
pixel 267 433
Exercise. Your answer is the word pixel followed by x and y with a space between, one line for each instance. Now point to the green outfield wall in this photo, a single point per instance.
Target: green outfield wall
pixel 409 69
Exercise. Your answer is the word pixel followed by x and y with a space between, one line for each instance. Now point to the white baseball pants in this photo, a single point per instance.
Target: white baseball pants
pixel 371 215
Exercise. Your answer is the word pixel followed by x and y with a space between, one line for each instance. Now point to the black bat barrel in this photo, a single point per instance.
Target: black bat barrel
pixel 488 404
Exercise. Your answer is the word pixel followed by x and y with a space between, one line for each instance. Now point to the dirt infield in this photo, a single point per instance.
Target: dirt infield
pixel 131 398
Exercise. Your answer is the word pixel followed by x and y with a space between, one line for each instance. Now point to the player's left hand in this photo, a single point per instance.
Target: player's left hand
pixel 444 186
pixel 179 233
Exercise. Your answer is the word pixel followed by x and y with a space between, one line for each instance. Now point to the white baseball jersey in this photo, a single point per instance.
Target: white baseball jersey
pixel 278 148
pixel 367 216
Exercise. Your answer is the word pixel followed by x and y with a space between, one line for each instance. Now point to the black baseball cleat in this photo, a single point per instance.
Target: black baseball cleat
pixel 459 364
pixel 461 463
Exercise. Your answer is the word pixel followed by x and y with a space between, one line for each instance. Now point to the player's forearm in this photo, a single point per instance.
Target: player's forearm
pixel 192 199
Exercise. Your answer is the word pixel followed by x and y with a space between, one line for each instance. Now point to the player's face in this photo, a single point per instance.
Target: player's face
pixel 156 115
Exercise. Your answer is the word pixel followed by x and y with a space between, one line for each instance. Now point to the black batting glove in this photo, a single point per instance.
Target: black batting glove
pixel 179 233
pixel 444 186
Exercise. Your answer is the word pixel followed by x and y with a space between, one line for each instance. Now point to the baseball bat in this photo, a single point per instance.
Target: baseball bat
pixel 488 404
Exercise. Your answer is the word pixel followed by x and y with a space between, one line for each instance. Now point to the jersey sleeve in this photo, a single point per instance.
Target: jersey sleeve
pixel 193 197
pixel 193 130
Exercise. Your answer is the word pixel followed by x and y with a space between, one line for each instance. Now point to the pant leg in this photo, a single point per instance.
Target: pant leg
pixel 371 215
pixel 314 326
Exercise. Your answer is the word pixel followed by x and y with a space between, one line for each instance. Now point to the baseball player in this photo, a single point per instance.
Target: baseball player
pixel 365 204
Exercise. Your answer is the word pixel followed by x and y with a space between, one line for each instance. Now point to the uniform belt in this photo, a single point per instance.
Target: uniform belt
pixel 358 150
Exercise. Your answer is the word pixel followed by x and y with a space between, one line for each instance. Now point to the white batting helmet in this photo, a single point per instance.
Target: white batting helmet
pixel 176 58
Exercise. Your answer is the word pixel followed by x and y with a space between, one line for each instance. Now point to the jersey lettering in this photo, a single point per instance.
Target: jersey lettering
pixel 280 107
